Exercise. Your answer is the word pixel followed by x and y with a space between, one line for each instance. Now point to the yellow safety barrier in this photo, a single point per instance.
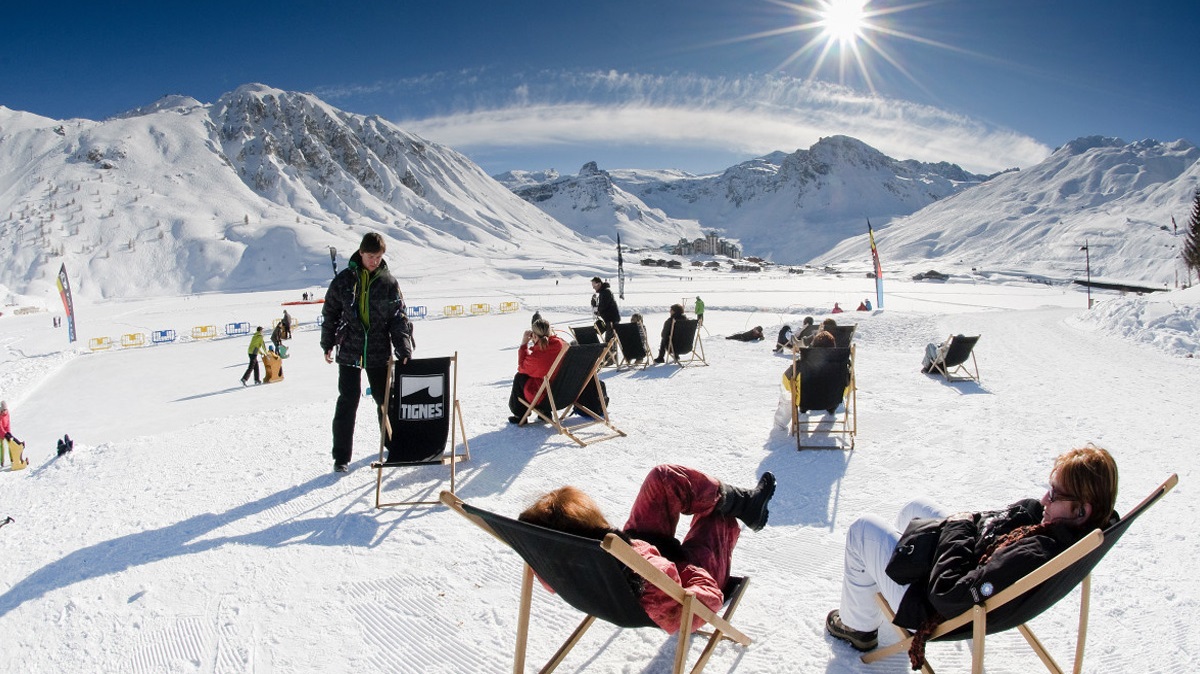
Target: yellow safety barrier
pixel 99 343
pixel 509 307
pixel 204 332
pixel 453 310
pixel 480 309
pixel 133 339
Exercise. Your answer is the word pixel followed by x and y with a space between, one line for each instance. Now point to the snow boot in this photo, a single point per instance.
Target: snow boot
pixel 748 505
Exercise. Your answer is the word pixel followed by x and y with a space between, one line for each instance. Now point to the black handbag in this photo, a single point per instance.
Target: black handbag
pixel 912 560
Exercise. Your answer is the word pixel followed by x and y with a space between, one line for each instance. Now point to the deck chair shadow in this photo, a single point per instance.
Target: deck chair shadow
pixel 843 335
pixel 559 395
pixel 594 577
pixel 684 346
pixel 1027 598
pixel 953 366
pixel 633 349
pixel 826 384
pixel 418 426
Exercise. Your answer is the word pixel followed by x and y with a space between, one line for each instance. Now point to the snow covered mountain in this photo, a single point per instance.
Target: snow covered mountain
pixel 792 207
pixel 593 205
pixel 180 197
pixel 1118 198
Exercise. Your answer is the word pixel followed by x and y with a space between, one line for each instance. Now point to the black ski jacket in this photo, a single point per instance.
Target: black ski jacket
pixel 364 332
pixel 606 306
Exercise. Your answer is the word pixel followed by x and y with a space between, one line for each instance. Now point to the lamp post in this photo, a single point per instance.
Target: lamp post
pixel 1088 257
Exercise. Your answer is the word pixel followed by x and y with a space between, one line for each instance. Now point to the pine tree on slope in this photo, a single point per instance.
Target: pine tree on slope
pixel 1191 244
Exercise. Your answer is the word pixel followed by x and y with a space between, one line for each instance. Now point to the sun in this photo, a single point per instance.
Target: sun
pixel 842 21
pixel 852 37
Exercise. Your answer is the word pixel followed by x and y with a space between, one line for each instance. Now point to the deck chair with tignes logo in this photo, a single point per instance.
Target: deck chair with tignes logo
pixel 417 427
pixel 597 577
pixel 1028 597
pixel 559 395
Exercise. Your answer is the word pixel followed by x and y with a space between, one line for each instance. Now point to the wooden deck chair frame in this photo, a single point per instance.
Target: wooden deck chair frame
pixel 844 425
pixel 693 357
pixel 721 628
pixel 635 334
pixel 451 459
pixel 959 371
pixel 977 616
pixel 561 410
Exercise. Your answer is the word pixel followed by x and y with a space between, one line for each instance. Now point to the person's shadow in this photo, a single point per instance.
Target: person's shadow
pixel 183 538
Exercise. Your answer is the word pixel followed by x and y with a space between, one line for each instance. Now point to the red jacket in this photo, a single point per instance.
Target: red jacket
pixel 5 427
pixel 535 361
pixel 665 611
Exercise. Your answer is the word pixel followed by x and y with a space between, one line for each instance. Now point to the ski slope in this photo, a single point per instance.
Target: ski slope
pixel 197 526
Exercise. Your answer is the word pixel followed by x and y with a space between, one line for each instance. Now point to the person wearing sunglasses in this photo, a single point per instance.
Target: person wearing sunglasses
pixel 948 562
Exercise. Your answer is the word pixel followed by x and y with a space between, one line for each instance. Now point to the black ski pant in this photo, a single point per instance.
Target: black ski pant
pixel 349 393
pixel 252 368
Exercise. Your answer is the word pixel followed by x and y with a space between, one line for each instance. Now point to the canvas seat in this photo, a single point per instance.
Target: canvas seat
pixel 684 346
pixel 559 396
pixel 1028 597
pixel 953 365
pixel 843 335
pixel 594 577
pixel 417 428
pixel 585 334
pixel 826 384
pixel 633 349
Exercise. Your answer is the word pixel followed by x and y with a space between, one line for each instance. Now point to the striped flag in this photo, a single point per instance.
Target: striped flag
pixel 878 269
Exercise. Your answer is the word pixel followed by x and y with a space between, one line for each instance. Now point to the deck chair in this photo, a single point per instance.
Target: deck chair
pixel 629 336
pixel 574 368
pixel 417 428
pixel 1027 598
pixel 953 365
pixel 843 335
pixel 585 334
pixel 685 341
pixel 593 576
pixel 826 383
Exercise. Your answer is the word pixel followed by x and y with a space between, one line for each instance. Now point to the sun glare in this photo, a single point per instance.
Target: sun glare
pixel 842 21
pixel 850 36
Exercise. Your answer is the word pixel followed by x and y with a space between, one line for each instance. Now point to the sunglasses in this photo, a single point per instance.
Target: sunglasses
pixel 1058 496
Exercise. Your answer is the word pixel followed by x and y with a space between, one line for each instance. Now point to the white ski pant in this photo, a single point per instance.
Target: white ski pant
pixel 869 545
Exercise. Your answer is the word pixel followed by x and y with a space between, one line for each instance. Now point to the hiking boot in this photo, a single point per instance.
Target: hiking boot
pixel 339 467
pixel 748 505
pixel 243 382
pixel 862 641
pixel 514 419
pixel 659 360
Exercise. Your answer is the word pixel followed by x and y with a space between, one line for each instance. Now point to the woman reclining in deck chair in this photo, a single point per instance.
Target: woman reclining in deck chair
pixel 700 563
pixel 539 348
pixel 971 555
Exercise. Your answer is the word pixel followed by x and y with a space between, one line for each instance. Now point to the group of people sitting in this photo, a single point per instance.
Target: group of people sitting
pixel 794 339
pixel 969 556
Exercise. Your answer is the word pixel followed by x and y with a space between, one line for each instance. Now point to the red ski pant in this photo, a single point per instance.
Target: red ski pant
pixel 670 491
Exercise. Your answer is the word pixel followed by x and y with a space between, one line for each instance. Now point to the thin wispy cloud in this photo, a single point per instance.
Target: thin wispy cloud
pixel 746 116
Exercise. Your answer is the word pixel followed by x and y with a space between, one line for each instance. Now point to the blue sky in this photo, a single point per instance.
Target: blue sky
pixel 691 84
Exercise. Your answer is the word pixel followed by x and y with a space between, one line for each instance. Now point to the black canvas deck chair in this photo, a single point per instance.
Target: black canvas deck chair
pixel 1027 598
pixel 953 366
pixel 843 335
pixel 559 395
pixel 594 576
pixel 418 429
pixel 629 336
pixel 685 347
pixel 826 385
pixel 585 334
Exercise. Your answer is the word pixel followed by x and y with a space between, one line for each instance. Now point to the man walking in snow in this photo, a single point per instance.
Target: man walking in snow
pixel 365 320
